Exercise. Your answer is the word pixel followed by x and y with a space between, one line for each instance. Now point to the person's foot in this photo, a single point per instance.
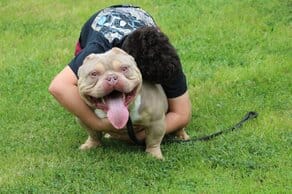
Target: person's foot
pixel 182 134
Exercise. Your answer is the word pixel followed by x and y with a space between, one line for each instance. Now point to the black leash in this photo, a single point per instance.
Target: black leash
pixel 250 115
pixel 132 135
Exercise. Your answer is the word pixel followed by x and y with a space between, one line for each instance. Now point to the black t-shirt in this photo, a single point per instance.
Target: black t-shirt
pixel 108 28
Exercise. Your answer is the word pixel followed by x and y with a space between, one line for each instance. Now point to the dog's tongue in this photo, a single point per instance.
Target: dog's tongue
pixel 117 113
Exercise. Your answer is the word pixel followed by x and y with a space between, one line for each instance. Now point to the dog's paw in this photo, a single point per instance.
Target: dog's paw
pixel 182 135
pixel 155 152
pixel 89 144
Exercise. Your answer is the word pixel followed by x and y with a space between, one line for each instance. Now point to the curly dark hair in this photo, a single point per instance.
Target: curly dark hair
pixel 156 58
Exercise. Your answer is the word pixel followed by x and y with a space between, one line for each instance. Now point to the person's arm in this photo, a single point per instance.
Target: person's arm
pixel 64 88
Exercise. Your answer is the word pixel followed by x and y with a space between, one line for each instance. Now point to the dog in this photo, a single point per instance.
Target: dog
pixel 111 84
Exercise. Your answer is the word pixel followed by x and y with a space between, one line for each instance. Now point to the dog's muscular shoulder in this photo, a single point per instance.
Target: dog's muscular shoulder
pixel 150 105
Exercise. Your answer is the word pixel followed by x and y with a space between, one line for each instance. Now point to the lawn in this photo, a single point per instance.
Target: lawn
pixel 237 57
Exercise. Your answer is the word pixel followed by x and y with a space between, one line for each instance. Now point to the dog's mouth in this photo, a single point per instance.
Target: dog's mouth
pixel 103 102
pixel 115 104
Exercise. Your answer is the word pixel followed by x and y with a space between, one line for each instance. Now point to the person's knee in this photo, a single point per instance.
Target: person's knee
pixel 55 88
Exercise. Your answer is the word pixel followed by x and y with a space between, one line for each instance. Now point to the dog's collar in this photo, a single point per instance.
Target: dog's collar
pixel 132 135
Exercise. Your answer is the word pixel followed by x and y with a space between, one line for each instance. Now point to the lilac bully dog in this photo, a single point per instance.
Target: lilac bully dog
pixel 111 84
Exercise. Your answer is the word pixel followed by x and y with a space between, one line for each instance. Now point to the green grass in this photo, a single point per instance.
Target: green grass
pixel 237 57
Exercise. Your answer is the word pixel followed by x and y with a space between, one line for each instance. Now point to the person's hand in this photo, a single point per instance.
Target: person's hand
pixel 113 132
pixel 120 134
pixel 106 126
pixel 141 135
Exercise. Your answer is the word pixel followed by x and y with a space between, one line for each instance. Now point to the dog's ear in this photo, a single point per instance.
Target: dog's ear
pixel 82 68
pixel 117 50
pixel 89 58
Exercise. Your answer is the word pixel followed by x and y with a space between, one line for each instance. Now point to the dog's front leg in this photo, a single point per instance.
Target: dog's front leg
pixel 154 136
pixel 93 139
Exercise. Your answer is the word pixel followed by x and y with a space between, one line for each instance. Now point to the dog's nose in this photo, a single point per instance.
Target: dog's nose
pixel 112 79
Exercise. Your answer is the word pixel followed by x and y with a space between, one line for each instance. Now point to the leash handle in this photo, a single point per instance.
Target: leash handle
pixel 250 115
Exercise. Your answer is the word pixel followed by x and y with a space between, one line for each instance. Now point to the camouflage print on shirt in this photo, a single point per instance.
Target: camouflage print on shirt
pixel 117 22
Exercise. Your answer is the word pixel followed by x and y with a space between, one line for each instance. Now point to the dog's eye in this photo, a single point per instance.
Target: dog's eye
pixel 93 74
pixel 124 69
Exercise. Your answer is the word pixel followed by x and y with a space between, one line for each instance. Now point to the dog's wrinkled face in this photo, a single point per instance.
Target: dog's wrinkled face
pixel 110 81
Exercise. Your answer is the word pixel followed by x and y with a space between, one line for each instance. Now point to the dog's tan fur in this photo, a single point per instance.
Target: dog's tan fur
pixel 150 98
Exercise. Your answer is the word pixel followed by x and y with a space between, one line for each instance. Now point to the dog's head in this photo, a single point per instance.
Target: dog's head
pixel 110 81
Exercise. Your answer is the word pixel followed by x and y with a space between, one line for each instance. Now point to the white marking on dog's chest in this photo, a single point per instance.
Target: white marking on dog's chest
pixel 134 112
